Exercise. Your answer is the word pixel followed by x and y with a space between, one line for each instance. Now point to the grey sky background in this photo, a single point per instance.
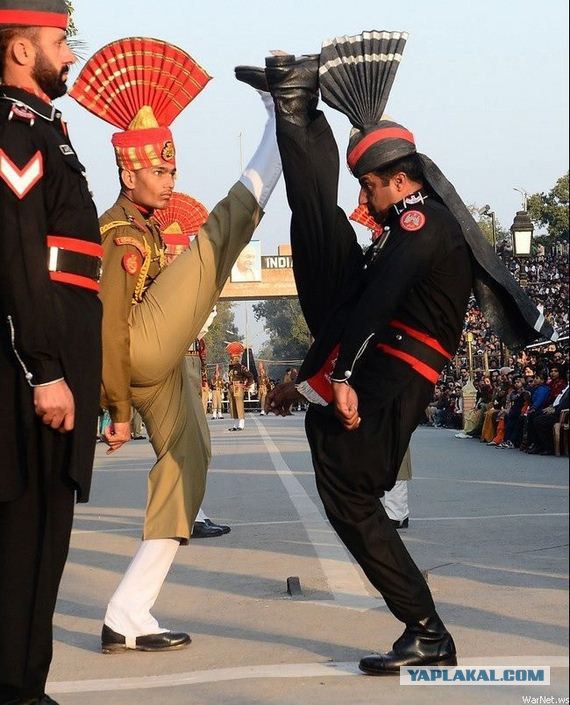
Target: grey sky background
pixel 483 85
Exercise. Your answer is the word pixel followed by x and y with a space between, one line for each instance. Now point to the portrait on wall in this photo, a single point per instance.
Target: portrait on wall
pixel 248 265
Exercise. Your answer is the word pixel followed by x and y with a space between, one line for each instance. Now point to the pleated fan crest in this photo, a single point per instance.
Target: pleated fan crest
pixel 356 74
pixel 184 210
pixel 361 215
pixel 129 74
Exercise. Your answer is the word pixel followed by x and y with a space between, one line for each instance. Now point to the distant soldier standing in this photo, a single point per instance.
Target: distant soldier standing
pixel 217 384
pixel 262 387
pixel 239 378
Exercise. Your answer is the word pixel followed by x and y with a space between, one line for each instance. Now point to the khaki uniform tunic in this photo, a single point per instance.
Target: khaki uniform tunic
pixel 263 387
pixel 151 315
pixel 217 385
pixel 239 379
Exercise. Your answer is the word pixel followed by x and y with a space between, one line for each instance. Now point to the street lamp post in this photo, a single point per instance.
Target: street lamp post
pixel 491 214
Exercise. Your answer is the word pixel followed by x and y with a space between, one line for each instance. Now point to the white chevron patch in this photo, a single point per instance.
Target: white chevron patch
pixel 21 180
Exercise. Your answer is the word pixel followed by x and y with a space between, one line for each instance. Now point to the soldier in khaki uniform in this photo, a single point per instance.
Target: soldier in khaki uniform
pixel 239 378
pixel 262 387
pixel 153 313
pixel 217 385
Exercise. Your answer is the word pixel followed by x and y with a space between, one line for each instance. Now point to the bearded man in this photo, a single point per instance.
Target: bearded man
pixel 50 319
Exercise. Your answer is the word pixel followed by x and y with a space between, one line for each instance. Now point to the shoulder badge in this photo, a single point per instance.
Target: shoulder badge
pixel 22 113
pixel 132 263
pixel 21 181
pixel 126 240
pixel 412 221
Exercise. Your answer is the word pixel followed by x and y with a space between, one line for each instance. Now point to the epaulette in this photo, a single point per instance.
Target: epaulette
pixel 127 240
pixel 21 113
pixel 114 224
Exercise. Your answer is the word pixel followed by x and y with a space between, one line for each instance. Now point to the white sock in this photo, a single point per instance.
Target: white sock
pixel 241 423
pixel 128 611
pixel 264 169
pixel 396 501
pixel 201 516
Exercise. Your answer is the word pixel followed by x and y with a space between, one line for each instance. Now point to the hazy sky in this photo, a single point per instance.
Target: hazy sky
pixel 483 85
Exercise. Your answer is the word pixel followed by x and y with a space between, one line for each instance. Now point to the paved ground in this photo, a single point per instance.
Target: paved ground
pixel 490 525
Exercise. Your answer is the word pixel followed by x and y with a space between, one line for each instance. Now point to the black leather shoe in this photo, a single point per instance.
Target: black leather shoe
pixel 294 85
pixel 208 530
pixel 254 76
pixel 426 643
pixel 113 643
pixel 404 524
pixel 224 527
pixel 46 700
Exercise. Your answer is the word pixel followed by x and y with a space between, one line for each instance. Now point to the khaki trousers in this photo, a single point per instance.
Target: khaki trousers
pixel 216 401
pixel 237 408
pixel 162 327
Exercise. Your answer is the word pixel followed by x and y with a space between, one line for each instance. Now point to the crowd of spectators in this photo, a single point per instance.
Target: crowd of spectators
pixel 519 394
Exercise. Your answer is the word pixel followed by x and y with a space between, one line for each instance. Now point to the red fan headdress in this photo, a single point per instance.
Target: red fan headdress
pixel 362 215
pixel 140 85
pixel 180 221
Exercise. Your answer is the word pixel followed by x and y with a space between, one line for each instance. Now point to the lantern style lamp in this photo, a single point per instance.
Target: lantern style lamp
pixel 522 230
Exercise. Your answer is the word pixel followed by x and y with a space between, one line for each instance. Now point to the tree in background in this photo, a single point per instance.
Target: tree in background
pixel 223 329
pixel 550 211
pixel 289 337
pixel 71 29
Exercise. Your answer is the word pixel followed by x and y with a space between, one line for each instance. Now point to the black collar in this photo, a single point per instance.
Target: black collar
pixel 19 96
pixel 411 200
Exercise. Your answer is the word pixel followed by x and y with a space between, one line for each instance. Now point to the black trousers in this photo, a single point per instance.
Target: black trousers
pixel 34 539
pixel 543 434
pixel 353 468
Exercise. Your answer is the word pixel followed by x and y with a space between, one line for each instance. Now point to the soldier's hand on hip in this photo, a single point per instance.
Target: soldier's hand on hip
pixel 116 434
pixel 345 402
pixel 55 405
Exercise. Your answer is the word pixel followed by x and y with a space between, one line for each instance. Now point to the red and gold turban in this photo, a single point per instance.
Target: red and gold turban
pixel 235 349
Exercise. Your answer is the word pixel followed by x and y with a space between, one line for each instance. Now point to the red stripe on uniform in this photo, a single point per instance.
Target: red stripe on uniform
pixel 422 337
pixel 32 18
pixel 75 279
pixel 74 245
pixel 420 367
pixel 383 133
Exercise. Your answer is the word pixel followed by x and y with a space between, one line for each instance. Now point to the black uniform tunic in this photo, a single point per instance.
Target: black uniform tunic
pixel 393 316
pixel 49 330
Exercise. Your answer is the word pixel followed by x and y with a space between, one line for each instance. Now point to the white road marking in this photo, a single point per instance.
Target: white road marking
pixel 526 485
pixel 344 581
pixel 492 516
pixel 290 670
pixel 318 526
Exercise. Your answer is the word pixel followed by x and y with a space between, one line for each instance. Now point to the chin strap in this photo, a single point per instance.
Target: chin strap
pixel 264 169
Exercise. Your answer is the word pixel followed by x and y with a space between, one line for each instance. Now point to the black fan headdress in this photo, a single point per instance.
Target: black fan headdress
pixel 356 75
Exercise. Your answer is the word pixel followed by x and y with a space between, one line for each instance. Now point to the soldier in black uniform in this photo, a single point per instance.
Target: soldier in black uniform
pixel 50 321
pixel 384 322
